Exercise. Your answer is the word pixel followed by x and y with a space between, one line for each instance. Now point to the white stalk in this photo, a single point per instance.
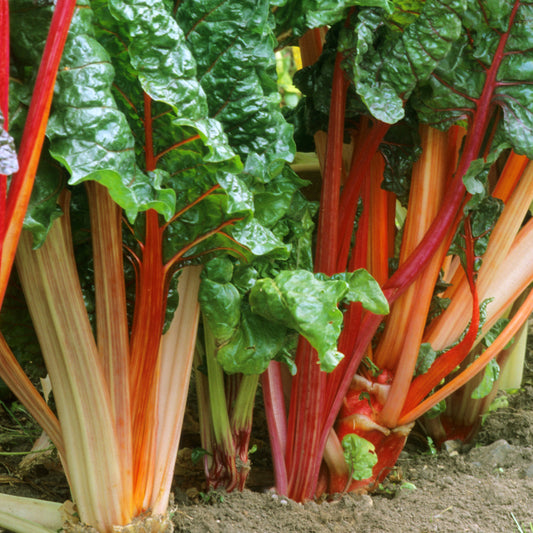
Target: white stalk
pixel 176 356
pixel 51 286
pixel 28 515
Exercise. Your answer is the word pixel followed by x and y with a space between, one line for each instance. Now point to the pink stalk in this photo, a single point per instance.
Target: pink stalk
pixel 277 423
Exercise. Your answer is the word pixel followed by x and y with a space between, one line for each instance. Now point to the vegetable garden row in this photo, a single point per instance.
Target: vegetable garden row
pixel 152 213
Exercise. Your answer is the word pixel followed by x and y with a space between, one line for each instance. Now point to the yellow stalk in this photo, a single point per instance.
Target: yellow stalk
pixel 513 369
pixel 92 457
pixel 176 355
pixel 492 273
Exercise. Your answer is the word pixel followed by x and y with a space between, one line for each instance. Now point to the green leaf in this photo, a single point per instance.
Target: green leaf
pixel 88 133
pixel 436 410
pixel 490 66
pixel 259 240
pixel 490 376
pixel 365 289
pixel 426 357
pixel 43 208
pixel 360 456
pixel 234 46
pixel 298 300
pixel 297 16
pixel 150 56
pixel 244 342
pixel 386 65
pixel 221 308
pixel 494 331
pixel 255 344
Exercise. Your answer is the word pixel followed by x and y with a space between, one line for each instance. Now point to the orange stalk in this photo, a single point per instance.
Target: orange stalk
pixel 150 304
pixel 510 176
pixel 478 365
pixel 399 353
pixel 446 362
pixel 429 178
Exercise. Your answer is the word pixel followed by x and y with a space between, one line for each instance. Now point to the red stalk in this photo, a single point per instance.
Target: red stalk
pixel 369 138
pixel 328 222
pixel 34 130
pixel 309 384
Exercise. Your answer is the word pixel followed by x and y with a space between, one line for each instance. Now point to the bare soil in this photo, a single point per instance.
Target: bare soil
pixel 487 488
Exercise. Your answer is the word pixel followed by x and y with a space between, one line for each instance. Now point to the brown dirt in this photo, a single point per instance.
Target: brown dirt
pixel 487 489
pixel 479 490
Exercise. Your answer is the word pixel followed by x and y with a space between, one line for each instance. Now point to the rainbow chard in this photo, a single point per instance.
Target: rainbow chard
pixel 149 170
pixel 237 345
pixel 465 70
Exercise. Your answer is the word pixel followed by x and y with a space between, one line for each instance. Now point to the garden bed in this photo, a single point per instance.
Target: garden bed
pixel 482 489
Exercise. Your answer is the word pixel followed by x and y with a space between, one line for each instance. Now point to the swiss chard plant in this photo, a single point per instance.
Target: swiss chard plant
pixel 450 80
pixel 169 149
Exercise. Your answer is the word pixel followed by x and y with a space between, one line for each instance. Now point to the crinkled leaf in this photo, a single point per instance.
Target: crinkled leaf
pixel 306 304
pixel 363 288
pixel 400 149
pixel 221 308
pixel 360 456
pixel 490 376
pixel 255 344
pixel 167 72
pixel 259 240
pixel 88 134
pixel 386 64
pixel 234 48
pixel 297 17
pixel 244 342
pixel 150 56
pixel 490 66
pixel 272 201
